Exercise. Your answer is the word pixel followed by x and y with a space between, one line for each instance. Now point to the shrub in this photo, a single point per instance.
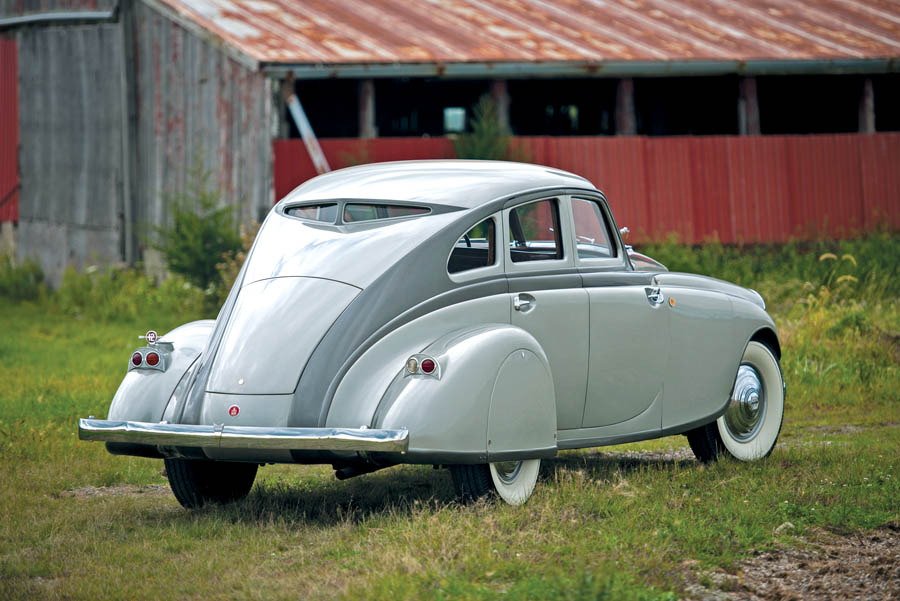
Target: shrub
pixel 21 282
pixel 199 233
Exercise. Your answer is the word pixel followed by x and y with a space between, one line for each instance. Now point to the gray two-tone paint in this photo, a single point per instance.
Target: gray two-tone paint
pixel 535 356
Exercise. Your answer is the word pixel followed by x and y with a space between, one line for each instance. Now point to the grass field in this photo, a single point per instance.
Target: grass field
pixel 631 522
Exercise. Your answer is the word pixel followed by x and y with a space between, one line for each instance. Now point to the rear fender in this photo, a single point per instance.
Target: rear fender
pixel 144 393
pixel 493 400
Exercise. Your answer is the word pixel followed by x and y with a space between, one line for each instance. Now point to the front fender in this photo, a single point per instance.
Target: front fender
pixel 494 400
pixel 143 394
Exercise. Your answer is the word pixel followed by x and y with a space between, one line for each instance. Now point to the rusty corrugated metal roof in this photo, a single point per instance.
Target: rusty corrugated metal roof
pixel 370 32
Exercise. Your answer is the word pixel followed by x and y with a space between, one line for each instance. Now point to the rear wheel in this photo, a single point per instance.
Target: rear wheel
pixel 512 481
pixel 197 482
pixel 750 426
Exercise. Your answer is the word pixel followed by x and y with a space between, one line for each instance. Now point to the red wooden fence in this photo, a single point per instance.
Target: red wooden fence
pixel 9 132
pixel 736 189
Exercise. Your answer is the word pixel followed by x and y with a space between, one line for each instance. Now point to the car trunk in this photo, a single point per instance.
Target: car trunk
pixel 273 329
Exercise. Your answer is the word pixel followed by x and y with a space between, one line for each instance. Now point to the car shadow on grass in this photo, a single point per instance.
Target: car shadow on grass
pixel 401 490
pixel 405 490
pixel 608 465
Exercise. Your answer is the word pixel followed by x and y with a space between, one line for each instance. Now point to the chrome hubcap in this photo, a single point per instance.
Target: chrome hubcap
pixel 508 470
pixel 747 408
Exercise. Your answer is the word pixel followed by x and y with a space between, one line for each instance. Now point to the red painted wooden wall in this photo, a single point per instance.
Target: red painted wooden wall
pixel 9 131
pixel 736 189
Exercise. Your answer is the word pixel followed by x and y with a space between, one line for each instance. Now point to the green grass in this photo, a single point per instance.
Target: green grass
pixel 603 523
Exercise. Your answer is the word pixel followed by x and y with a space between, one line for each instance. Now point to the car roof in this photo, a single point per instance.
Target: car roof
pixel 458 183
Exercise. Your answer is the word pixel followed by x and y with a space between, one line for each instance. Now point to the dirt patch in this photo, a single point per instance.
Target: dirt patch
pixel 838 429
pixel 824 566
pixel 124 490
pixel 679 454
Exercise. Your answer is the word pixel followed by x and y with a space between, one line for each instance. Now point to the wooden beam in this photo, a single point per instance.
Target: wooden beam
pixel 626 119
pixel 748 107
pixel 128 246
pixel 867 108
pixel 500 95
pixel 367 127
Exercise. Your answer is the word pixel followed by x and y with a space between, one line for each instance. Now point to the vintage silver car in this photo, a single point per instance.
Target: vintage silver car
pixel 476 315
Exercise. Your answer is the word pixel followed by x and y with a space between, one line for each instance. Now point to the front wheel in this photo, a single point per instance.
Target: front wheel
pixel 750 425
pixel 198 482
pixel 512 481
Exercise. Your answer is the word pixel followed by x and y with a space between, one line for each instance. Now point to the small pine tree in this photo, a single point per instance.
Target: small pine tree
pixel 489 138
pixel 199 232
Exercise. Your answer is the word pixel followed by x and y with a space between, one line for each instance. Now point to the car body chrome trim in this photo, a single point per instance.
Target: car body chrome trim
pixel 243 437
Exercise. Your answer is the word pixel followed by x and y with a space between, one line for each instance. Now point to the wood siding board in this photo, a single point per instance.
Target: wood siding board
pixel 70 114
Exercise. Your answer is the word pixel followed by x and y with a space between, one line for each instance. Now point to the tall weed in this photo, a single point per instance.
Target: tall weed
pixel 784 272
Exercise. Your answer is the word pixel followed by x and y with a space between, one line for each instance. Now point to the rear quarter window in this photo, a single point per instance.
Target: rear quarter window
pixel 475 248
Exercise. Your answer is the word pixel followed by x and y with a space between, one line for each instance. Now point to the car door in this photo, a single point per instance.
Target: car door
pixel 547 298
pixel 629 327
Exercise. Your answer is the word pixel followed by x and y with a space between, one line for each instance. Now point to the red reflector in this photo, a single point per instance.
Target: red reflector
pixel 137 359
pixel 428 366
pixel 152 358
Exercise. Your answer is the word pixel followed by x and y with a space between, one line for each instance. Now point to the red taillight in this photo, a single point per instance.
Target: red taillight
pixel 428 366
pixel 137 359
pixel 152 358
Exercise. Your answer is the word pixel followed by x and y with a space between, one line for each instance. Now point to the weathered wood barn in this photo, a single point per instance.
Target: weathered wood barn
pixel 745 120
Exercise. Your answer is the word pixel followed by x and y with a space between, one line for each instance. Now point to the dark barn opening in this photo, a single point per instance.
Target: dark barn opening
pixel 562 107
pixel 686 106
pixel 331 105
pixel 809 104
pixel 418 107
pixel 887 102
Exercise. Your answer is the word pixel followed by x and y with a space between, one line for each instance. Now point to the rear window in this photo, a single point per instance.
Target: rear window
pixel 367 212
pixel 320 212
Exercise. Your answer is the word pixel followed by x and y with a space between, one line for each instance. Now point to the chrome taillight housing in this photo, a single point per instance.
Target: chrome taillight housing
pixel 156 355
pixel 423 365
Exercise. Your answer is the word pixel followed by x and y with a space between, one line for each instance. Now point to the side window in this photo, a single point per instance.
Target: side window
pixel 475 249
pixel 534 232
pixel 592 234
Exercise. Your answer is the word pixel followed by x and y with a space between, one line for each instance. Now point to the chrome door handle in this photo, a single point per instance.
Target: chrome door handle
pixel 521 304
pixel 655 296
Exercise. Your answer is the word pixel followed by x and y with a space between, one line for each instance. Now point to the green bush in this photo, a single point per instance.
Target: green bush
pixel 21 282
pixel 199 233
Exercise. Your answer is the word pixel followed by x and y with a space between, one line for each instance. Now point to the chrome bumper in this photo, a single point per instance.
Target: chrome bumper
pixel 243 437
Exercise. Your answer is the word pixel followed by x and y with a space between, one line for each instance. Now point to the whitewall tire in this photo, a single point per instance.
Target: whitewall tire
pixel 750 426
pixel 512 481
